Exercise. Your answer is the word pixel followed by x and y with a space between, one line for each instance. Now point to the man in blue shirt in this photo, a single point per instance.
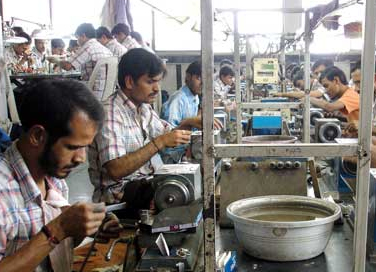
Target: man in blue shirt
pixel 184 103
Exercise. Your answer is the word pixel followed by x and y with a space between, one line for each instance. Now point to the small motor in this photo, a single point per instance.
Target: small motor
pixel 173 191
pixel 315 114
pixel 327 129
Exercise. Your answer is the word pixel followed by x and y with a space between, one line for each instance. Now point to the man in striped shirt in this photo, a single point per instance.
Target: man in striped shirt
pixel 122 34
pixel 86 57
pixel 126 149
pixel 105 38
pixel 59 118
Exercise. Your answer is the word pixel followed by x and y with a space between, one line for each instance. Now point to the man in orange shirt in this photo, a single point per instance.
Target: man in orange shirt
pixel 345 99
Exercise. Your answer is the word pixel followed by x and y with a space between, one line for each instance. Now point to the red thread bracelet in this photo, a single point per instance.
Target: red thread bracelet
pixel 51 238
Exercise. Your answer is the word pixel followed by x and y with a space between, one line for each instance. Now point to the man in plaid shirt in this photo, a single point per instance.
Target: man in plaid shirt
pixel 60 119
pixel 122 34
pixel 105 38
pixel 86 57
pixel 127 147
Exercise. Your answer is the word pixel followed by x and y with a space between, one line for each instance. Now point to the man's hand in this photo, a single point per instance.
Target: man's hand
pixel 173 138
pixel 351 130
pixel 111 229
pixel 78 220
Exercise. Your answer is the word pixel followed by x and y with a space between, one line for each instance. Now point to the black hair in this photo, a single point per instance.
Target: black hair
pixel 194 68
pixel 102 30
pixel 357 65
pixel 294 71
pixel 17 30
pixel 138 62
pixel 326 62
pixel 52 104
pixel 73 43
pixel 86 29
pixel 24 35
pixel 331 72
pixel 120 28
pixel 226 62
pixel 136 35
pixel 57 43
pixel 226 70
pixel 298 76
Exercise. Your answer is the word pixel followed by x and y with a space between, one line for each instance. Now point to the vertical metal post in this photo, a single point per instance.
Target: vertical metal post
pixel 3 97
pixel 307 81
pixel 248 60
pixel 237 80
pixel 282 61
pixel 51 13
pixel 208 137
pixel 153 29
pixel 364 139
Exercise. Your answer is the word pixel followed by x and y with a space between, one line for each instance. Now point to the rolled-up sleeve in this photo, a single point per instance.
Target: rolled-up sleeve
pixel 111 140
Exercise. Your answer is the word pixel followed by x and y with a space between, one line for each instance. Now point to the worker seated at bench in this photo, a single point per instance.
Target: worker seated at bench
pixel 344 99
pixel 124 154
pixel 183 105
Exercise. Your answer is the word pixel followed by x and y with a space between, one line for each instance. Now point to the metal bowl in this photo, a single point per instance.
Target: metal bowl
pixel 284 227
pixel 269 139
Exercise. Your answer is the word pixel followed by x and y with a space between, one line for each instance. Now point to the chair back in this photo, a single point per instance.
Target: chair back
pixel 110 64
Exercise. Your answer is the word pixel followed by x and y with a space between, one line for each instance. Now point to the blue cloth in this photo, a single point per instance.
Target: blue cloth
pixel 182 104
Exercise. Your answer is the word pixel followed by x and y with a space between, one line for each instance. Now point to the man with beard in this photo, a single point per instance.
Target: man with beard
pixel 37 233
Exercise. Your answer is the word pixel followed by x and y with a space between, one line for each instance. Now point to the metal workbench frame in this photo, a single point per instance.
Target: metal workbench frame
pixel 362 149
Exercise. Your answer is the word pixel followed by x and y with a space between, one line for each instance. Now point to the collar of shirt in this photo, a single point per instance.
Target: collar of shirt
pixel 37 53
pixel 13 54
pixel 189 94
pixel 112 42
pixel 144 108
pixel 85 46
pixel 28 186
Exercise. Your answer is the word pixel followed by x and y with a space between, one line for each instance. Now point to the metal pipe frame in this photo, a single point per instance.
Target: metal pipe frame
pixel 270 105
pixel 307 80
pixel 362 149
pixel 285 150
pixel 207 56
pixel 238 98
pixel 364 137
pixel 248 61
pixel 3 96
pixel 284 10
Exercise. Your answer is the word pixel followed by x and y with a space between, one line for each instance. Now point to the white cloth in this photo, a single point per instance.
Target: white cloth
pixel 130 43
pixel 116 48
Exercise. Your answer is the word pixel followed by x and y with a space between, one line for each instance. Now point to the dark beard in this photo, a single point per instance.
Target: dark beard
pixel 49 162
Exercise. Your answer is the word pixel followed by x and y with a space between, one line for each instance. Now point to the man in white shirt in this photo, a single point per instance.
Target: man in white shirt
pixel 122 35
pixel 104 36
pixel 38 52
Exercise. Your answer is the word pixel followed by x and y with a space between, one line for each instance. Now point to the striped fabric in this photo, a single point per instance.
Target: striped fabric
pixel 125 130
pixel 23 212
pixel 130 43
pixel 116 48
pixel 85 59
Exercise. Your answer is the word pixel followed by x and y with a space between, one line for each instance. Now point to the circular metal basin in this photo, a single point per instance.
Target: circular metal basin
pixel 283 228
pixel 269 139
